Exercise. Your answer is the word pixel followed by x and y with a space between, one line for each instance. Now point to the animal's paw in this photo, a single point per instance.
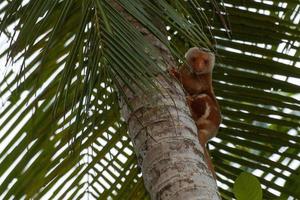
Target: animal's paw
pixel 173 72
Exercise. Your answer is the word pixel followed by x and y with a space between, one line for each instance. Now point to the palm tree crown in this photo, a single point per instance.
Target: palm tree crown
pixel 61 134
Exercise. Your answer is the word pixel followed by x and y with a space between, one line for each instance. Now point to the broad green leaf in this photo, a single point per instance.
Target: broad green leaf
pixel 247 187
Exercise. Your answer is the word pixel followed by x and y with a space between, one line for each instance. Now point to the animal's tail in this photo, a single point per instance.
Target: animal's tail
pixel 207 158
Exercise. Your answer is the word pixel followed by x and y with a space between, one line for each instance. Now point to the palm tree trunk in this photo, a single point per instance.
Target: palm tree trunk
pixel 165 138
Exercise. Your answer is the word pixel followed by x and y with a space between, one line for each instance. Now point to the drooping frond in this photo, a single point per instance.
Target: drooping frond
pixel 257 82
pixel 61 132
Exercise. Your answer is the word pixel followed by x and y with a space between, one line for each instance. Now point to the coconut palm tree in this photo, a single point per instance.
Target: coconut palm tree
pixel 69 67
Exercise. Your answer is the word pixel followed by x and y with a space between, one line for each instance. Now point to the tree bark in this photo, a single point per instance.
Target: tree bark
pixel 165 137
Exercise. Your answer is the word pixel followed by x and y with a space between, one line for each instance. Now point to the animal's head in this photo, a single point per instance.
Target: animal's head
pixel 201 60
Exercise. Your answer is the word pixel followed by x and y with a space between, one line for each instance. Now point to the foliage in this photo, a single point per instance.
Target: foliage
pixel 60 124
pixel 247 187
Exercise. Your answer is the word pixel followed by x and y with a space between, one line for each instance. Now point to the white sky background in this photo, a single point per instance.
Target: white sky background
pixel 3 104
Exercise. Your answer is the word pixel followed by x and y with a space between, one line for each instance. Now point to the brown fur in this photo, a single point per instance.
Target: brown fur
pixel 196 78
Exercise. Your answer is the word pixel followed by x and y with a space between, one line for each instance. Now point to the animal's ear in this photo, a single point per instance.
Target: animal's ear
pixel 204 49
pixel 212 58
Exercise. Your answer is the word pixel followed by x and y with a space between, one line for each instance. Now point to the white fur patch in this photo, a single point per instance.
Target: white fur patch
pixel 200 95
pixel 207 112
pixel 191 51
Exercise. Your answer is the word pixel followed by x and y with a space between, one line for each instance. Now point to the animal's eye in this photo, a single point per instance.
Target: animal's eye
pixel 206 62
pixel 193 59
